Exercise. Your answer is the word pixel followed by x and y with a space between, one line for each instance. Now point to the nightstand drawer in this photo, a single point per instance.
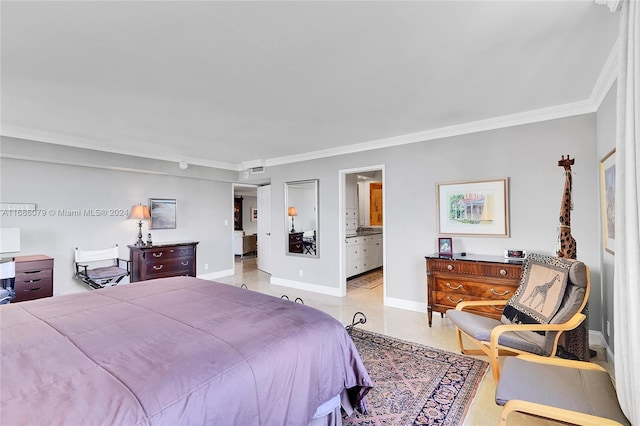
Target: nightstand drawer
pixel 34 289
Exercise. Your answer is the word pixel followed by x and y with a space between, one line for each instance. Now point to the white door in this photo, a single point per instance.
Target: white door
pixel 264 228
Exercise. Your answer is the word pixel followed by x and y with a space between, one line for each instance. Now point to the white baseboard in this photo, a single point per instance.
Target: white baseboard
pixel 408 305
pixel 299 285
pixel 597 338
pixel 218 274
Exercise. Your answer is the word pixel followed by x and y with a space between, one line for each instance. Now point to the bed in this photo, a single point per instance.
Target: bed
pixel 172 351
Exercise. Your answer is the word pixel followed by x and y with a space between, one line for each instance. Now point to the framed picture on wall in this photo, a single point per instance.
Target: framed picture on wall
pixel 254 214
pixel 608 199
pixel 474 208
pixel 163 213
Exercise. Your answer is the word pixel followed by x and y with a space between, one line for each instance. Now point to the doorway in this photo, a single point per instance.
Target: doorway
pixel 362 229
pixel 245 225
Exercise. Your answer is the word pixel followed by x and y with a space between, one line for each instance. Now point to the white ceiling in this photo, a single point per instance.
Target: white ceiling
pixel 232 84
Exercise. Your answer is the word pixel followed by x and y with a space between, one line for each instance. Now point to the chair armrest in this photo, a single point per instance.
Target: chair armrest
pixel 128 262
pixel 78 266
pixel 572 323
pixel 561 362
pixel 460 306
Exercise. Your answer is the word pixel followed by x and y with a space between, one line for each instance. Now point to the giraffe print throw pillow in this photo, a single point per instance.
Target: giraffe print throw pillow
pixel 541 290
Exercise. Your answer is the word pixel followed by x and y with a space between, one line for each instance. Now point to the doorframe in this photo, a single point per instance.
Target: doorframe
pixel 235 185
pixel 342 253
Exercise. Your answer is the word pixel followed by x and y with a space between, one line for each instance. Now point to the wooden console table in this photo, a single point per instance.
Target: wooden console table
pixel 472 277
pixel 163 260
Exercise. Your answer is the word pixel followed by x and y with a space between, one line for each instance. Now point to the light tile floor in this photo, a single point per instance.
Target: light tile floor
pixel 398 323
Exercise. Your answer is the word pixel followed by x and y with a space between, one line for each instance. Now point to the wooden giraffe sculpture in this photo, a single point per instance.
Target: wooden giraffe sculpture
pixel 566 242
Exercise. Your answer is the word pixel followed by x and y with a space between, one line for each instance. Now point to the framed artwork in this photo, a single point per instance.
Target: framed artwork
pixel 163 213
pixel 445 246
pixel 608 199
pixel 254 214
pixel 473 208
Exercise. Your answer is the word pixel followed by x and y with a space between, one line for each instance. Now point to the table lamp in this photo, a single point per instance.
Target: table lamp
pixel 292 212
pixel 139 213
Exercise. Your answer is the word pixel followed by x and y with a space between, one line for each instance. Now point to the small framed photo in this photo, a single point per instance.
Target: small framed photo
pixel 254 214
pixel 163 213
pixel 445 247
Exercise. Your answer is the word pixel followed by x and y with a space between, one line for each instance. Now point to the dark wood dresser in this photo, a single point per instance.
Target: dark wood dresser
pixel 296 244
pixel 34 277
pixel 163 260
pixel 472 277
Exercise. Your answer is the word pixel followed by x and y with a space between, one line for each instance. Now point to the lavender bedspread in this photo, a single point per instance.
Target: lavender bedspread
pixel 173 351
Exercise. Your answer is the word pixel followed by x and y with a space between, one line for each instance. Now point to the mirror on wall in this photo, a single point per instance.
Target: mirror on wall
pixel 301 217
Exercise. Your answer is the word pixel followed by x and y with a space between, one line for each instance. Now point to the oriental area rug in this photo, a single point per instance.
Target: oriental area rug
pixel 414 384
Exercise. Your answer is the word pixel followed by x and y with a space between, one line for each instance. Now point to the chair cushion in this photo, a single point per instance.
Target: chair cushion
pixel 584 391
pixel 480 327
pixel 106 272
pixel 541 291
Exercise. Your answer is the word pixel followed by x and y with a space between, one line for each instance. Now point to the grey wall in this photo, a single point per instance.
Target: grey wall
pixel 203 206
pixel 606 131
pixel 527 155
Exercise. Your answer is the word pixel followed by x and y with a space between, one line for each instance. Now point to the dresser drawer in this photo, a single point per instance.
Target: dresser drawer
pixel 481 290
pixel 169 253
pixel 170 265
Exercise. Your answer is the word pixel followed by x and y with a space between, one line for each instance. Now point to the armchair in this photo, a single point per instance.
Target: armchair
pixel 549 301
pixel 100 268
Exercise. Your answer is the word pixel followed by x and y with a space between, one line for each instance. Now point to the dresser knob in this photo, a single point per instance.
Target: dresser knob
pixel 454 288
pixel 453 301
pixel 157 268
pixel 157 254
pixel 503 272
pixel 184 263
pixel 450 267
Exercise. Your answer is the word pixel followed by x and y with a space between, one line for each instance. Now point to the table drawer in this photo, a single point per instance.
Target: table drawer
pixel 33 289
pixel 34 266
pixel 481 290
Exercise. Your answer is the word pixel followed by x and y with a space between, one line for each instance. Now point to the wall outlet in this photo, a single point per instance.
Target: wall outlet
pixel 226 222
pixel 300 272
pixel 608 329
pixel 206 266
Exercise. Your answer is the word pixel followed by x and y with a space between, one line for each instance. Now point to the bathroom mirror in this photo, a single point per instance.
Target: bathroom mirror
pixel 301 218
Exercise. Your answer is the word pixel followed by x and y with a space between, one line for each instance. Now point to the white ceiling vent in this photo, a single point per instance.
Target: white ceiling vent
pixel 254 170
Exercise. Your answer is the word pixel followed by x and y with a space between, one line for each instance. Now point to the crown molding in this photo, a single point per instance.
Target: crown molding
pixel 607 76
pixel 56 139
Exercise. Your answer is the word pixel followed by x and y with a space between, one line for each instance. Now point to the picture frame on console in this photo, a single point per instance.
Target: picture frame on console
pixel 163 213
pixel 473 208
pixel 445 247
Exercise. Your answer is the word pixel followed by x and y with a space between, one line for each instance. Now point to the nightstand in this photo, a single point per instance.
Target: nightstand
pixel 34 277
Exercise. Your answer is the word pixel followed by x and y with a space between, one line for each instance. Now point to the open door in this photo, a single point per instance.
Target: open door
pixel 264 228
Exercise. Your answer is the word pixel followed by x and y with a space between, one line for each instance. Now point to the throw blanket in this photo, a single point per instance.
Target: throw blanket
pixel 173 351
pixel 541 290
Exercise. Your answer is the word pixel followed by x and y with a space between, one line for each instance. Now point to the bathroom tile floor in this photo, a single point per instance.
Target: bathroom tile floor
pixel 398 323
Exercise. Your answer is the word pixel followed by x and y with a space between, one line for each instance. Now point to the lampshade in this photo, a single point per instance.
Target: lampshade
pixel 139 212
pixel 292 211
